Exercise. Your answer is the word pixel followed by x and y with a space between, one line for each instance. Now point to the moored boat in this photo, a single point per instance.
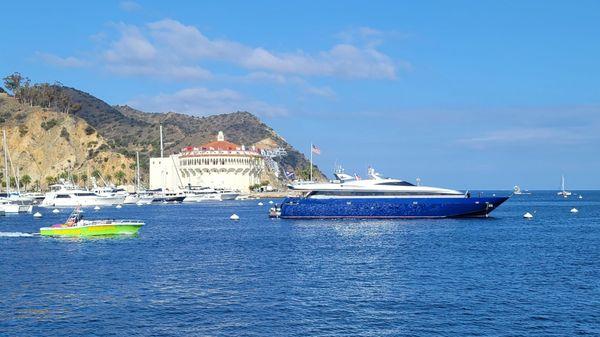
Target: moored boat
pixel 382 198
pixel 66 194
pixel 77 226
pixel 563 192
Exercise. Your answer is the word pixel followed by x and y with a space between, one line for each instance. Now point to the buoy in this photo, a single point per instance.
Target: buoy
pixel 574 210
pixel 234 217
pixel 271 202
pixel 55 211
pixel 97 208
pixel 260 204
pixel 580 197
pixel 527 215
pixel 119 206
pixel 37 215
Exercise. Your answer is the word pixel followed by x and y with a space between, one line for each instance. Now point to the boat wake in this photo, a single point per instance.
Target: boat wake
pixel 16 234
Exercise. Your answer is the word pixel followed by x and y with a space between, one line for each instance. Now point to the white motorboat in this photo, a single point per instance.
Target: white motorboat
pixel 9 206
pixel 199 194
pixel 563 192
pixel 517 191
pixel 139 197
pixel 66 194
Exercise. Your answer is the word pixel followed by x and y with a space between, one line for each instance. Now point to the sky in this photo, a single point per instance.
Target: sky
pixel 462 94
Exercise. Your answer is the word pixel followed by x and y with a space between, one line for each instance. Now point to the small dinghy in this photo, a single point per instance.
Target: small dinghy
pixel 77 226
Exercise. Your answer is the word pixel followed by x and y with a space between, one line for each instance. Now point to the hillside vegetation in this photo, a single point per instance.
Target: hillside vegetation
pixel 124 130
pixel 45 145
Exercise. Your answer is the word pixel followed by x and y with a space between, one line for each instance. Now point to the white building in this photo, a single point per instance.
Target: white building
pixel 219 164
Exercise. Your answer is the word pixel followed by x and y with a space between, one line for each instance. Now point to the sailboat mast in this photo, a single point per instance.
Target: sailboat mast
pixel 162 166
pixel 6 177
pixel 137 169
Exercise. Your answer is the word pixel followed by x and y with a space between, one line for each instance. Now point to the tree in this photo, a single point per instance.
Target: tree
pixel 96 173
pixel 75 178
pixel 13 82
pixel 26 180
pixel 120 175
pixel 84 178
pixel 50 180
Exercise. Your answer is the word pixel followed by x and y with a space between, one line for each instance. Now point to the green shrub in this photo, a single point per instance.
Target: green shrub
pixel 65 134
pixel 49 124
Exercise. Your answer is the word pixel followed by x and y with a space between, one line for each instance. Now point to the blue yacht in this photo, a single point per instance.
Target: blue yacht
pixel 382 198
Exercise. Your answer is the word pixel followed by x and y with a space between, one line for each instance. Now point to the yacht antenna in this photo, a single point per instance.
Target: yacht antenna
pixel 311 162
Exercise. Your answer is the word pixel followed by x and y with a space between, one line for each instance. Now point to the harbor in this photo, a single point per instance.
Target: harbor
pixel 310 169
pixel 303 272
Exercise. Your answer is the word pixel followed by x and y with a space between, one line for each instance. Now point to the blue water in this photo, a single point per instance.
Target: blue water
pixel 193 272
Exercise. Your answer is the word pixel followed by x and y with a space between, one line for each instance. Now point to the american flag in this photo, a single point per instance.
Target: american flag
pixel 315 149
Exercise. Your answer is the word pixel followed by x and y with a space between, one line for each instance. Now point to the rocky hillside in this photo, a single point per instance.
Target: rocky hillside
pixel 128 130
pixel 45 144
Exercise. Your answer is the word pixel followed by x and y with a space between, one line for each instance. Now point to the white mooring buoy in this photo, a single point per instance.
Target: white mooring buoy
pixel 271 202
pixel 55 211
pixel 528 215
pixel 234 217
pixel 574 210
pixel 97 208
pixel 260 204
pixel 119 206
pixel 580 197
pixel 37 215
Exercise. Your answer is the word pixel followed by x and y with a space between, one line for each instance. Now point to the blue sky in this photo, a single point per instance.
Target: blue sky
pixel 463 94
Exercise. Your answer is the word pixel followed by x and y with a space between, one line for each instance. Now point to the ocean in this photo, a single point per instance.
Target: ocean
pixel 193 272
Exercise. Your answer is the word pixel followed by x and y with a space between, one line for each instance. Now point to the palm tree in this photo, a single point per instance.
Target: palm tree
pixel 84 178
pixel 120 175
pixel 26 180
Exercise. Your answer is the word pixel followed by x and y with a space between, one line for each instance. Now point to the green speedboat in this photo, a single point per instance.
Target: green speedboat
pixel 77 226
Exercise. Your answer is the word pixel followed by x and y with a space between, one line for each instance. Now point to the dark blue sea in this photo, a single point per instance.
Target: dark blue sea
pixel 193 272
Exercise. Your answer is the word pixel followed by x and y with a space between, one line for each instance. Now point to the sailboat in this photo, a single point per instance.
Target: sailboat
pixel 12 202
pixel 140 197
pixel 563 192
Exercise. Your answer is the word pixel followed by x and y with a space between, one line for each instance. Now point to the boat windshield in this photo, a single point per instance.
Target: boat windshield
pixel 396 183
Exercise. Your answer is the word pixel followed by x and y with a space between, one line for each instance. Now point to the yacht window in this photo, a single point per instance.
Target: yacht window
pixel 396 183
pixel 84 194
pixel 63 196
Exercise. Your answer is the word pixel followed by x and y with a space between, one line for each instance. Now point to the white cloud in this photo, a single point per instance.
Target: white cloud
pixel 169 42
pixel 201 101
pixel 529 136
pixel 129 6
pixel 132 54
pixel 63 62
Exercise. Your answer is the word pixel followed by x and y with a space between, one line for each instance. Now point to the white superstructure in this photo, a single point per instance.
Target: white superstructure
pixel 346 186
pixel 219 165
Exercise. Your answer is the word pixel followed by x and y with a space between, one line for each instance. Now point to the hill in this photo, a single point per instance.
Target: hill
pixel 46 145
pixel 128 130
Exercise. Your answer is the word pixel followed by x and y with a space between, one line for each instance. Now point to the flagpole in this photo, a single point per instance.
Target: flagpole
pixel 311 162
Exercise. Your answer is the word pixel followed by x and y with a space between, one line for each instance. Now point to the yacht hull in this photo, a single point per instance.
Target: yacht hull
pixel 388 208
